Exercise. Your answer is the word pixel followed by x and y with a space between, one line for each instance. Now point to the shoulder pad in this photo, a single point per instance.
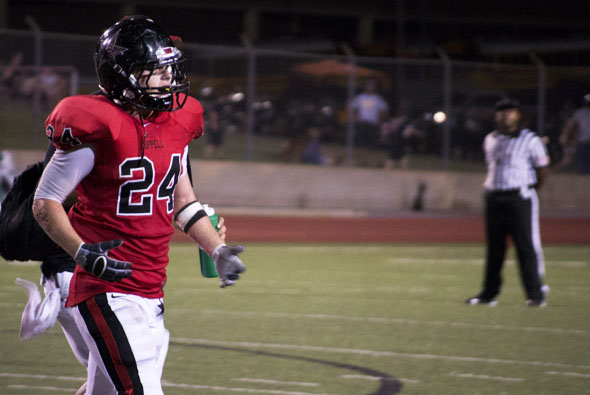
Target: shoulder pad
pixel 83 119
pixel 190 117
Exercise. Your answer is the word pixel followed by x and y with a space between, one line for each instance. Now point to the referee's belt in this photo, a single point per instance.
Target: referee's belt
pixel 507 192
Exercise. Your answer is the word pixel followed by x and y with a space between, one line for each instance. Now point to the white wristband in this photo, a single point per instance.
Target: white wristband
pixel 188 215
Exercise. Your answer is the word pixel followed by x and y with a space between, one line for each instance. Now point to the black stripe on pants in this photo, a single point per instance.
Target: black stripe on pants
pixel 112 343
pixel 509 214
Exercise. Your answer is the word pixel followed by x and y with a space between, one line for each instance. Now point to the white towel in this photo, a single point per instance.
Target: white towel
pixel 38 315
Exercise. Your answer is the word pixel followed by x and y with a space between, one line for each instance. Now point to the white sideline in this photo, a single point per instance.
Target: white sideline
pixel 386 320
pixel 486 377
pixel 372 353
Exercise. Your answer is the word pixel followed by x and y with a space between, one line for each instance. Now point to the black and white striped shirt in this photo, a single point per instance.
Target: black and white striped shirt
pixel 512 160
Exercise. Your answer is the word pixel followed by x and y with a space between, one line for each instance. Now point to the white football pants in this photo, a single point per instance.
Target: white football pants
pixel 127 343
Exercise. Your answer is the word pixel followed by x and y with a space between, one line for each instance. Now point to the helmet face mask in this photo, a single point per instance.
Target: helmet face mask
pixel 158 96
pixel 129 53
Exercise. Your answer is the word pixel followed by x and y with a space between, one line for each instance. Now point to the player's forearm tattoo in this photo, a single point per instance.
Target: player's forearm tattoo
pixel 42 218
pixel 41 214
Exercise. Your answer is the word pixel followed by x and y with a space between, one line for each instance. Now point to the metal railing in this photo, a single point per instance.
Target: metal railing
pixel 268 101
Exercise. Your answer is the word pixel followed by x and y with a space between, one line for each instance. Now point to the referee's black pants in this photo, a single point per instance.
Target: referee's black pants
pixel 510 214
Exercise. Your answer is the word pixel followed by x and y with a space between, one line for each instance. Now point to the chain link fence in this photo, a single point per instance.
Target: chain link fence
pixel 279 106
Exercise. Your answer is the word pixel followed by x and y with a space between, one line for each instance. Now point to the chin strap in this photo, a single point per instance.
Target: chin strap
pixel 143 136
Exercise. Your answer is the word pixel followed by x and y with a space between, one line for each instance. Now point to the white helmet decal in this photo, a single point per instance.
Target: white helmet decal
pixel 166 53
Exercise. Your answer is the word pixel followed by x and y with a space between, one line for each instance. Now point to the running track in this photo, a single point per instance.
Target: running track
pixel 407 229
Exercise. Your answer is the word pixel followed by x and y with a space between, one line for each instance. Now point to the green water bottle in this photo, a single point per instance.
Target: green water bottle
pixel 207 263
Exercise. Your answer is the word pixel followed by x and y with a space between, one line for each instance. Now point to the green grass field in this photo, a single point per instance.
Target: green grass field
pixel 340 320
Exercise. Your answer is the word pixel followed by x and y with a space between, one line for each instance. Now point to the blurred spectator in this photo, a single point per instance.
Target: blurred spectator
pixel 265 116
pixel 394 138
pixel 49 85
pixel 8 77
pixel 553 130
pixel 369 110
pixel 473 123
pixel 414 134
pixel 300 116
pixel 475 126
pixel 214 133
pixel 213 129
pixel 313 152
pixel 53 87
pixel 326 120
pixel 575 138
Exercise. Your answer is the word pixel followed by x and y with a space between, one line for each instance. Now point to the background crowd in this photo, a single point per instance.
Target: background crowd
pixel 364 89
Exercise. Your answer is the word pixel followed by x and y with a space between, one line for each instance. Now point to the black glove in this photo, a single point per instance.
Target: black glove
pixel 227 264
pixel 94 259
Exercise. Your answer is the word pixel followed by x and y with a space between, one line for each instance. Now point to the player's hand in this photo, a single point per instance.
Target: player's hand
pixel 221 228
pixel 227 264
pixel 94 259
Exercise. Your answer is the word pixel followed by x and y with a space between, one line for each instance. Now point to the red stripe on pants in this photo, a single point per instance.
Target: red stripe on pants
pixel 107 335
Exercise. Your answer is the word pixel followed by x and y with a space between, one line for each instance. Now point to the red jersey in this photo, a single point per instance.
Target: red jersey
pixel 129 194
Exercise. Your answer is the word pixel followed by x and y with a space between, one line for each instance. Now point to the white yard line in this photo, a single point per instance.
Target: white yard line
pixel 479 261
pixel 43 377
pixel 302 288
pixel 44 388
pixel 23 263
pixel 486 377
pixel 235 389
pixel 277 382
pixel 266 292
pixel 570 374
pixel 404 321
pixel 164 384
pixel 372 353
pixel 379 249
pixel 341 250
pixel 377 378
pixel 440 261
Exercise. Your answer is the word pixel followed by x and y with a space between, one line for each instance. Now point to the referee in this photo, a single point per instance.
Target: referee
pixel 517 164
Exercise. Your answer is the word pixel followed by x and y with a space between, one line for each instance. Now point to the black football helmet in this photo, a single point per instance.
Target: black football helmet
pixel 129 47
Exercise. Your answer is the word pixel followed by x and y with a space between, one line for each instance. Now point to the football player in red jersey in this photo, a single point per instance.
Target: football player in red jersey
pixel 124 152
